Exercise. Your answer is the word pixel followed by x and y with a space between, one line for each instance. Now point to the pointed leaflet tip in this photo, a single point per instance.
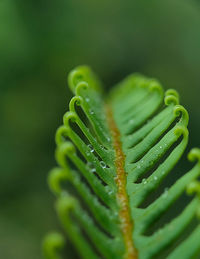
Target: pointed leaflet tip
pixel 64 204
pixel 194 155
pixel 85 76
pixel 61 134
pixel 194 187
pixel 171 97
pixel 52 243
pixel 178 110
pixel 154 85
pixel 61 151
pixel 181 130
pixel 172 92
pixel 55 177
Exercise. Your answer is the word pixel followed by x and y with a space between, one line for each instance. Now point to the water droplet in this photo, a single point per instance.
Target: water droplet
pixel 89 164
pixel 131 121
pixel 110 192
pixel 163 172
pixel 165 193
pixel 91 167
pixel 155 178
pixel 108 139
pixel 87 99
pixel 103 165
pixel 142 161
pixel 93 170
pixel 91 112
pixel 91 148
pixel 161 147
pixel 138 166
pixel 144 181
pixel 165 144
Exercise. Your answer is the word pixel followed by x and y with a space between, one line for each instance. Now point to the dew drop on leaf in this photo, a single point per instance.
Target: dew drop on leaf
pixel 91 148
pixel 110 192
pixel 91 167
pixel 101 146
pixel 144 181
pixel 165 193
pixel 103 165
pixel 89 164
pixel 108 139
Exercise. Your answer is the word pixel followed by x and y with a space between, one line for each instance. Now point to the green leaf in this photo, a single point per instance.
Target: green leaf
pixel 113 151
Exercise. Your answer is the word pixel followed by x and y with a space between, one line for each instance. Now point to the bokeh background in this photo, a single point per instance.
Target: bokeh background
pixel 40 42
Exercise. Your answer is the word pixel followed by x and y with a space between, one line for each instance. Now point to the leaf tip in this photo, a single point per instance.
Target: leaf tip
pixel 194 155
pixel 83 76
pixel 171 97
pixel 52 243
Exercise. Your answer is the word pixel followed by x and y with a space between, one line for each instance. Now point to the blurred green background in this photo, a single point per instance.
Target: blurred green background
pixel 40 42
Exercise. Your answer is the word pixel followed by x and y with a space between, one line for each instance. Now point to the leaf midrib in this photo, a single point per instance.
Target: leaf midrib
pixel 120 179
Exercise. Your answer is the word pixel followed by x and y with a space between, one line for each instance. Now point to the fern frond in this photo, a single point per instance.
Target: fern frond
pixel 112 153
